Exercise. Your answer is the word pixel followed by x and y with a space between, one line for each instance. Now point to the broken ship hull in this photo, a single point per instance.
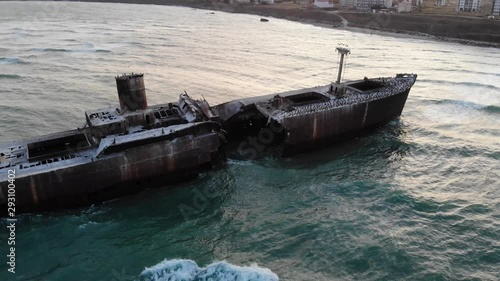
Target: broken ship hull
pixel 320 129
pixel 122 151
pixel 160 160
pixel 312 118
pixel 119 151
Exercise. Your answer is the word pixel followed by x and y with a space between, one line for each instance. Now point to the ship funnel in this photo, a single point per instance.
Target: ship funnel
pixel 343 51
pixel 131 92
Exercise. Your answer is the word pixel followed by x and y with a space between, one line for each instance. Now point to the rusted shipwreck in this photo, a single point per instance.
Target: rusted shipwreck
pixel 307 119
pixel 124 150
pixel 120 151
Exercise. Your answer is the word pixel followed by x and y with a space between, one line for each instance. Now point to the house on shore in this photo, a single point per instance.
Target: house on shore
pixel 441 3
pixel 416 3
pixel 323 4
pixel 495 10
pixel 468 5
pixel 405 6
pixel 366 5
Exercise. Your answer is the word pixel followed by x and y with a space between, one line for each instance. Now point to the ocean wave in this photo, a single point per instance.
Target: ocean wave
pixel 467 84
pixel 188 270
pixel 4 61
pixel 70 50
pixel 492 109
pixel 25 30
pixel 9 76
pixel 238 162
pixel 87 45
pixel 469 104
pixel 24 34
pixel 468 71
pixel 459 102
pixel 482 63
pixel 439 51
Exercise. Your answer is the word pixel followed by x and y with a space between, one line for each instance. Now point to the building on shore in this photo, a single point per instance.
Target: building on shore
pixel 366 4
pixel 468 5
pixel 416 3
pixel 323 4
pixel 347 3
pixel 441 3
pixel 405 6
pixel 495 10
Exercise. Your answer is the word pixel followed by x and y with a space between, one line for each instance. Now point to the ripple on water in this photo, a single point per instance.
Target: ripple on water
pixel 70 50
pixel 6 61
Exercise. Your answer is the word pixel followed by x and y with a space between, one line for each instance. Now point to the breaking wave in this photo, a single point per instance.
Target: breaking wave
pixel 70 50
pixel 4 61
pixel 188 270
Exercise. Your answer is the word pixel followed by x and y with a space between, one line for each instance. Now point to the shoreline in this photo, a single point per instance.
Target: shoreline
pixel 424 26
pixel 369 23
pixel 378 31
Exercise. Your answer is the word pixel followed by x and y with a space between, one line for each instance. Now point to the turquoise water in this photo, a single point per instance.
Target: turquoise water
pixel 416 200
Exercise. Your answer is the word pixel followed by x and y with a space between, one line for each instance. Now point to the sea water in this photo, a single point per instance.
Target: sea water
pixel 417 199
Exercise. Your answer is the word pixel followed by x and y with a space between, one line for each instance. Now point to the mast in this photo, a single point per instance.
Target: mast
pixel 343 52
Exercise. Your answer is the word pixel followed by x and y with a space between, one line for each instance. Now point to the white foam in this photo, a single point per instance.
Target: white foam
pixel 188 270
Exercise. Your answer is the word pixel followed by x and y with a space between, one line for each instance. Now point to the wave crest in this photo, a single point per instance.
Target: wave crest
pixel 188 270
pixel 463 83
pixel 70 50
pixel 9 76
pixel 4 61
pixel 468 104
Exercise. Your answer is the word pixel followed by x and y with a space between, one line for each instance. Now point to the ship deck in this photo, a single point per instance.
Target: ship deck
pixel 319 98
pixel 70 148
pixel 331 96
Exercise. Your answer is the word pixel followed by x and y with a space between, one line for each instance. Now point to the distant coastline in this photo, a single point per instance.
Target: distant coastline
pixel 459 29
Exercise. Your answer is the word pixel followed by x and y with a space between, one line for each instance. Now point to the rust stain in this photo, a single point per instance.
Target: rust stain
pixel 364 116
pixel 315 129
pixel 170 164
pixel 34 194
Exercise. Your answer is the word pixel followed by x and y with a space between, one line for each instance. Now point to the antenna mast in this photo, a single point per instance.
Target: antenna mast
pixel 343 52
